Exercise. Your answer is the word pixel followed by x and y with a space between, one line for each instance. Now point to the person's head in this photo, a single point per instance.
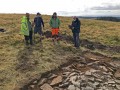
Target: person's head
pixel 54 15
pixel 38 14
pixel 74 18
pixel 28 16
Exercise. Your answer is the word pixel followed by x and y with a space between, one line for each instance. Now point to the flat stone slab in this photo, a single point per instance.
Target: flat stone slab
pixel 46 87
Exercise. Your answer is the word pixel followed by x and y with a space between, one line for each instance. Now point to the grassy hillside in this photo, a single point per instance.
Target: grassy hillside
pixel 18 62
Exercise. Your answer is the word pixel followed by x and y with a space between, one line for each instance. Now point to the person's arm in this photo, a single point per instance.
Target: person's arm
pixel 72 25
pixel 80 23
pixel 34 21
pixel 50 22
pixel 59 23
pixel 42 22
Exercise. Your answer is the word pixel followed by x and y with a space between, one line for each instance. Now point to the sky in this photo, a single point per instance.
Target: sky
pixel 63 7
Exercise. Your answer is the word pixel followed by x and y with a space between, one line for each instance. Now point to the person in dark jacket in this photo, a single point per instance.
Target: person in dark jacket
pixel 75 26
pixel 38 22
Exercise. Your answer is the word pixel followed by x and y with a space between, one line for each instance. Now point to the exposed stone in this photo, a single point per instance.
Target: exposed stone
pixel 99 80
pixel 88 88
pixel 83 77
pixel 103 87
pixel 96 75
pixel 91 75
pixel 111 82
pixel 111 88
pixel 93 63
pixel 36 87
pixel 110 73
pixel 65 74
pixel 99 89
pixel 56 80
pixel 57 88
pixel 77 88
pixel 93 70
pixel 105 73
pixel 80 65
pixel 118 87
pixel 32 86
pixel 83 84
pixel 91 78
pixel 42 81
pixel 117 74
pixel 46 87
pixel 115 64
pixel 71 87
pixel 104 68
pixel 64 85
pixel 66 68
pixel 66 80
pixel 73 74
pixel 76 83
pixel 73 78
pixel 91 84
pixel 88 73
pixel 52 76
pixel 35 82
pixel 94 59
pixel 113 85
pixel 105 83
pixel 49 75
pixel 96 83
pixel 117 81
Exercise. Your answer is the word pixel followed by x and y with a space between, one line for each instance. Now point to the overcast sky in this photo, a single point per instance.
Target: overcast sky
pixel 62 7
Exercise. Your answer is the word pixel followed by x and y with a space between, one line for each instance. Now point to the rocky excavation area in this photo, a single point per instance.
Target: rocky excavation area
pixel 91 71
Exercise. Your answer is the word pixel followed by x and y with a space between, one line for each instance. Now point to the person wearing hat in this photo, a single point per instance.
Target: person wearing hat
pixel 55 24
pixel 75 27
pixel 38 23
pixel 26 29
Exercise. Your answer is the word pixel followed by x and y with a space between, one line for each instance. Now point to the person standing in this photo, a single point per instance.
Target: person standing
pixel 55 24
pixel 26 29
pixel 38 22
pixel 75 26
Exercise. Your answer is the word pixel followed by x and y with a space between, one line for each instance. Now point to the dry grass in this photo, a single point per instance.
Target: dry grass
pixel 18 62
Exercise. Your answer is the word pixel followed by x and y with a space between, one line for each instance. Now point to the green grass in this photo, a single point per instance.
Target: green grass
pixel 18 62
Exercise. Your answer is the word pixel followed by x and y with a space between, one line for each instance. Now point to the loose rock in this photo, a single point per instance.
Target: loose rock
pixel 117 74
pixel 71 87
pixel 56 80
pixel 46 87
pixel 42 81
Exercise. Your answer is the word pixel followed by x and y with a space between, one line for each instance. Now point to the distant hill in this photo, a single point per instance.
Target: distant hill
pixel 105 18
pixel 87 17
pixel 115 19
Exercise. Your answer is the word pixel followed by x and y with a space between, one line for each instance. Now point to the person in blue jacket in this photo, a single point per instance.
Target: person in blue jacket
pixel 39 24
pixel 75 27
